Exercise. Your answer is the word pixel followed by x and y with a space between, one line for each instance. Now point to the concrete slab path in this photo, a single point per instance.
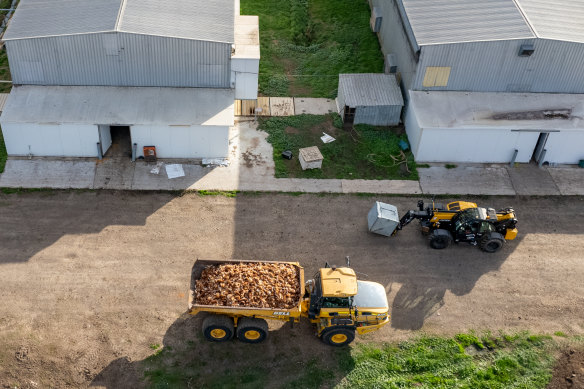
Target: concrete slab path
pixel 466 179
pixel 569 180
pixel 252 169
pixel 313 106
pixel 528 179
pixel 40 173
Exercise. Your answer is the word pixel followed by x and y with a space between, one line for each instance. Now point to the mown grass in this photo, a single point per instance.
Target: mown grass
pixel 305 44
pixel 464 361
pixel 3 153
pixel 366 152
pixel 520 360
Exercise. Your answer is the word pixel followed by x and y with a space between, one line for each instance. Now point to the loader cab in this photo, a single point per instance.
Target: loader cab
pixel 471 224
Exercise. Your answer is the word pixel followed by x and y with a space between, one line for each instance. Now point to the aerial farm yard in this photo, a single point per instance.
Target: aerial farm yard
pixel 95 284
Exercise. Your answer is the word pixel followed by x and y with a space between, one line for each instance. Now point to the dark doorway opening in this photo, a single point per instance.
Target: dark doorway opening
pixel 349 117
pixel 121 142
pixel 540 151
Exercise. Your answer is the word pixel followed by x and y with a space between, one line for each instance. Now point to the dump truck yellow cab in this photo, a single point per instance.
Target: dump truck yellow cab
pixel 339 282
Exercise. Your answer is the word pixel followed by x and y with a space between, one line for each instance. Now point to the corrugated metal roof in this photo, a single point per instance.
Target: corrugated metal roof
pixel 119 105
pixel 556 19
pixel 189 19
pixel 451 21
pixel 370 89
pixel 192 19
pixel 34 18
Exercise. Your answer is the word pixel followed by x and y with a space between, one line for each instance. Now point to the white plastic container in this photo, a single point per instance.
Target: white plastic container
pixel 383 218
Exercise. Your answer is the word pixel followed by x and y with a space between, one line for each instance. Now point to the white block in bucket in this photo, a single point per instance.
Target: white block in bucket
pixel 383 218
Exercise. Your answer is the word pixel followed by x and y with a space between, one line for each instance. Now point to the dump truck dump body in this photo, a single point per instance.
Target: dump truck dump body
pixel 235 311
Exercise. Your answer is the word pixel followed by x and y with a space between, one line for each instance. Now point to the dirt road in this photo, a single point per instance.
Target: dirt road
pixel 92 282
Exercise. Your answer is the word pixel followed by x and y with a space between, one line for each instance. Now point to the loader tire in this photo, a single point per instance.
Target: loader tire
pixel 338 336
pixel 252 330
pixel 492 242
pixel 440 239
pixel 218 328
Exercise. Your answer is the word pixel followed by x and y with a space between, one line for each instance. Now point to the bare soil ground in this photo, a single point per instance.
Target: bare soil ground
pixel 92 282
pixel 569 370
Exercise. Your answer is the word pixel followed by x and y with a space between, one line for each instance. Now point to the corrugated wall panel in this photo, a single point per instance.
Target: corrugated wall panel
pixel 378 115
pixel 138 60
pixel 554 67
pixel 393 39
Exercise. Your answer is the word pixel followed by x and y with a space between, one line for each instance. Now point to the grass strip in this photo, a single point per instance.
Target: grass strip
pixel 366 152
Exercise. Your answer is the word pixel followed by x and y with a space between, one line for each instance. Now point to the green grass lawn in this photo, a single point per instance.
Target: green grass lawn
pixel 4 69
pixel 3 154
pixel 464 361
pixel 305 44
pixel 363 153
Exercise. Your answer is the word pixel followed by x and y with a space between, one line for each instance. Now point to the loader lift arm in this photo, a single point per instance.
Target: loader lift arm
pixel 421 213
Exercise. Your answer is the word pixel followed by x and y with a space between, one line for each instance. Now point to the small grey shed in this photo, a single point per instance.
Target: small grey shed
pixel 369 98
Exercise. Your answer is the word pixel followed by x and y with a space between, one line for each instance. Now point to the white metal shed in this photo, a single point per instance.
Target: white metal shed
pixel 489 127
pixel 71 120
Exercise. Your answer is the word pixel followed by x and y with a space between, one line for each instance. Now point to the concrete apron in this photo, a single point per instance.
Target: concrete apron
pixel 252 169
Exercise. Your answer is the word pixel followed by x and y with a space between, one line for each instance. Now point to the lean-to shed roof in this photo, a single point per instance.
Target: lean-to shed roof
pixel 370 89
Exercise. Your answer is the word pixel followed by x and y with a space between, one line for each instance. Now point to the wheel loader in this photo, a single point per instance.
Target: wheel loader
pixel 463 221
pixel 334 301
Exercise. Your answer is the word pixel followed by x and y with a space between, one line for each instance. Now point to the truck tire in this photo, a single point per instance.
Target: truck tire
pixel 218 328
pixel 440 239
pixel 492 242
pixel 252 330
pixel 338 336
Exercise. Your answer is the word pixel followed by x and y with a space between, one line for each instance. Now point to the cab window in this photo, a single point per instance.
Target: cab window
pixel 335 302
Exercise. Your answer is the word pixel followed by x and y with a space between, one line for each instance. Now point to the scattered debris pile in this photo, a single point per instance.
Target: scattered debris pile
pixel 257 285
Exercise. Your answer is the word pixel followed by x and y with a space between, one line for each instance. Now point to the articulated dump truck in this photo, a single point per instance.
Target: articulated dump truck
pixel 239 296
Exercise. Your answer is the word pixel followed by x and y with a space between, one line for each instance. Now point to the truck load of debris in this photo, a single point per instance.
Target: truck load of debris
pixel 258 285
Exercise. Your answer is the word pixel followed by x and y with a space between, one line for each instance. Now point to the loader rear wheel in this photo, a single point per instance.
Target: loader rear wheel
pixel 251 330
pixel 218 328
pixel 339 336
pixel 492 242
pixel 440 239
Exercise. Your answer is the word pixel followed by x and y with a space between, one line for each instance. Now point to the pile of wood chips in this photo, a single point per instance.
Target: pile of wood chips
pixel 257 285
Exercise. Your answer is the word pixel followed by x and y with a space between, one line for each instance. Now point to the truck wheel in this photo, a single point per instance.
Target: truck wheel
pixel 218 328
pixel 339 336
pixel 251 330
pixel 440 239
pixel 492 242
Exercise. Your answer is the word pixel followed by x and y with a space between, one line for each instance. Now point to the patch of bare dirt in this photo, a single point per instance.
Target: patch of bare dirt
pixel 91 280
pixel 569 371
pixel 291 130
pixel 250 159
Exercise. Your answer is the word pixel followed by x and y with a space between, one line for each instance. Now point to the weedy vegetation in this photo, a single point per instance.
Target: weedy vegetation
pixel 305 44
